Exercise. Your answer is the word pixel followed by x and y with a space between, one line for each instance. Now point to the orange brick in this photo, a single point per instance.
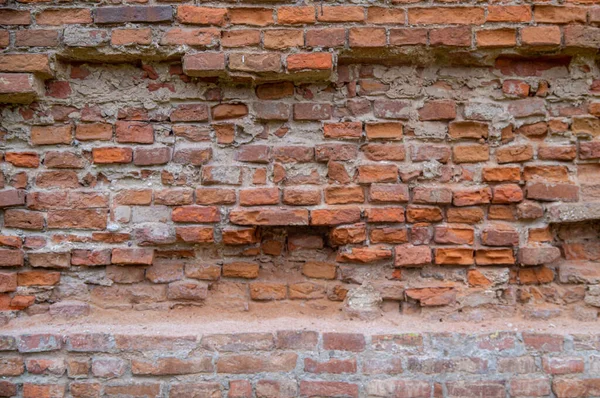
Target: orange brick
pixel 295 15
pixel 251 16
pixel 280 39
pixel 446 15
pixel 122 37
pixel 383 15
pixel 201 15
pixel 112 155
pixel 541 36
pixel 240 38
pixel 64 16
pixel 496 37
pixel 340 14
pixel 502 13
pixel 309 61
pixel 367 37
pixel 560 15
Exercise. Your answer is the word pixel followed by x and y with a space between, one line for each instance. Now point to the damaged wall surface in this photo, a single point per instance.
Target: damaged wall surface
pixel 388 161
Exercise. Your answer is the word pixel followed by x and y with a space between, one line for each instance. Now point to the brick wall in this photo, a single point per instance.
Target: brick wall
pixel 159 155
pixel 300 363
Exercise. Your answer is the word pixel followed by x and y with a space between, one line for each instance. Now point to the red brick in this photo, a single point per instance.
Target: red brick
pixel 344 342
pixel 491 389
pixel 384 131
pixel 63 16
pixel 295 15
pixel 543 342
pixel 340 14
pixel 280 39
pixel 112 155
pixel 133 14
pixel 8 282
pixel 332 366
pixel 134 132
pixel 336 216
pixel 132 256
pixel 190 113
pixel 412 256
pixel 514 153
pixel 453 37
pixel 34 63
pixel 255 63
pixel 43 390
pixel 22 159
pixel 344 195
pixel 364 254
pixel 367 37
pixel 251 16
pixel 38 278
pixel 51 135
pixel 344 130
pixel 194 64
pixel 297 340
pixel 382 15
pixel 259 196
pixel 228 111
pixel 408 36
pixel 561 366
pixel 138 389
pixel 123 37
pixel 240 389
pixel 23 219
pixel 552 191
pixel 36 38
pixel 423 214
pixel 268 217
pixel 454 256
pixel 470 153
pixel 14 17
pixel 502 13
pixel 251 363
pixel 201 15
pixel 77 219
pixel 94 131
pixel 196 214
pixel 333 37
pixel 171 366
pixel 446 15
pixel 468 129
pixel 203 64
pixel 312 111
pixel 240 38
pixel 399 388
pixel 301 197
pixel 541 36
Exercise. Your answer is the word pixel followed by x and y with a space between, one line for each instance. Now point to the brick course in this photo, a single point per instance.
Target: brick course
pixel 232 365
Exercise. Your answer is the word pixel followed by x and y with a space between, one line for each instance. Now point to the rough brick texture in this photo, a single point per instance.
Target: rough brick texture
pixel 445 156
pixel 300 363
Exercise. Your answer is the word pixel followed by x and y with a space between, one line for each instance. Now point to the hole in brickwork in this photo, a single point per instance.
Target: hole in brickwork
pixel 579 241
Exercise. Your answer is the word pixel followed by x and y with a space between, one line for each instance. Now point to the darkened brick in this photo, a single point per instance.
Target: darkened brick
pixel 133 14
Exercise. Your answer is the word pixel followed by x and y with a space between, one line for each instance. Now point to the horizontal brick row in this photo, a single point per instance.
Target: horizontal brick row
pixel 333 38
pixel 302 363
pixel 290 15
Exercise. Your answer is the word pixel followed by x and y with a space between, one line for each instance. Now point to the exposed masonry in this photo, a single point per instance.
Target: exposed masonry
pixel 300 363
pixel 140 187
pixel 425 161
pixel 259 153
